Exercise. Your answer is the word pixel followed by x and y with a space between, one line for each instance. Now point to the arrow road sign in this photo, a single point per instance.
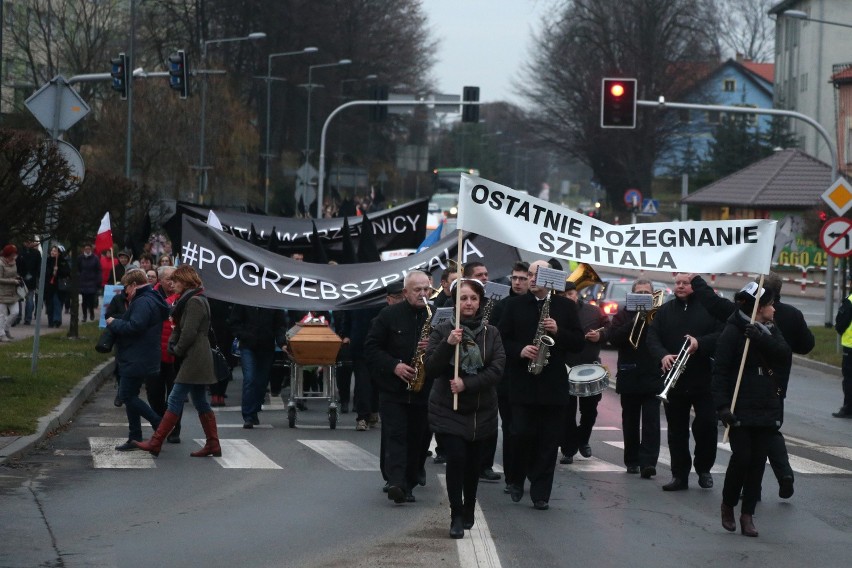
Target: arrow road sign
pixel 835 237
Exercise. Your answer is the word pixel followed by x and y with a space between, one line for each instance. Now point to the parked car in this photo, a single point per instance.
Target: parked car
pixel 442 206
pixel 611 294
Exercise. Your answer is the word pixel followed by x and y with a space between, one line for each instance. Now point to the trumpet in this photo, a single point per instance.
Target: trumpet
pixel 643 318
pixel 678 367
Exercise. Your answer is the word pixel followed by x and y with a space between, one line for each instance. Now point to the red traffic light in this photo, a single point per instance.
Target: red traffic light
pixel 618 102
pixel 617 90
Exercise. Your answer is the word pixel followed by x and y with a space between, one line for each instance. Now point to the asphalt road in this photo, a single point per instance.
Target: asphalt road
pixel 311 496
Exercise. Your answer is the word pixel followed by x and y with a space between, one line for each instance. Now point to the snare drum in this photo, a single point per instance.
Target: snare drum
pixel 587 380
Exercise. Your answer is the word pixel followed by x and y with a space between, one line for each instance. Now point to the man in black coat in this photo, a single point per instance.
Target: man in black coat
pixel 684 326
pixel 638 383
pixel 395 336
pixel 796 333
pixel 538 400
pixel 29 268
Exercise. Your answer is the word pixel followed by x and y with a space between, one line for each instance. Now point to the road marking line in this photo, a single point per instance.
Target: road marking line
pixel 344 455
pixel 241 454
pixel 105 456
pixel 665 457
pixel 802 465
pixel 836 451
pixel 477 549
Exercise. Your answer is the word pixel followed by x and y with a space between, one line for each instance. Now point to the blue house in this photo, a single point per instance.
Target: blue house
pixel 736 82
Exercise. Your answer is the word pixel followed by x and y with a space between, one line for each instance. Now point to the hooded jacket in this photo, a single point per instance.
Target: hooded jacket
pixel 137 333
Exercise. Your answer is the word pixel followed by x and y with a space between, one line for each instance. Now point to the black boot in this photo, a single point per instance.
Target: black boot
pixel 456 523
pixel 468 514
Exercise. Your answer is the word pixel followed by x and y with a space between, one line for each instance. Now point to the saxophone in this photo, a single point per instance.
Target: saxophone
pixel 541 340
pixel 416 384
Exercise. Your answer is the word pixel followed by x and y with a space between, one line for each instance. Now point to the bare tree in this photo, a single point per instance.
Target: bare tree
pixel 747 29
pixel 662 43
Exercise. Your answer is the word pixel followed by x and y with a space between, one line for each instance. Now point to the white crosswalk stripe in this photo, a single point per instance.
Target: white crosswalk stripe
pixel 344 455
pixel 104 455
pixel 241 454
pixel 665 457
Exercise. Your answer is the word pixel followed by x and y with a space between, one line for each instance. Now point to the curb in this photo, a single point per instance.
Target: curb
pixel 62 414
pixel 817 366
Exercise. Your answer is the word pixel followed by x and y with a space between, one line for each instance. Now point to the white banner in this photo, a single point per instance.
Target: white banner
pixel 517 219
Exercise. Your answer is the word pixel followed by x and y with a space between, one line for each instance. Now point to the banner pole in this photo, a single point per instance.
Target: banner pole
pixel 742 362
pixel 458 315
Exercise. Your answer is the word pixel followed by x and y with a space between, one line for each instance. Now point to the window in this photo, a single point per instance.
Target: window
pixel 803 82
pixel 729 85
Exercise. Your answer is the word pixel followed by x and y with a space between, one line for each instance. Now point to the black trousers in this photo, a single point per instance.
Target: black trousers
pixel 490 448
pixel 463 459
pixel 343 374
pixel 575 435
pixel 158 387
pixel 749 446
pixel 535 433
pixel 640 424
pixel 703 431
pixel 362 405
pixel 779 459
pixel 403 428
pixel 89 305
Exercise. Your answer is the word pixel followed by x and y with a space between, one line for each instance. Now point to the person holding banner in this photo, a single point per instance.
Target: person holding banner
pixel 683 327
pixel 538 400
pixel 464 433
pixel 748 377
pixel 395 336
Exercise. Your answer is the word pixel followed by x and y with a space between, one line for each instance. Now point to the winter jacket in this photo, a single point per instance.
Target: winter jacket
pixel 476 417
pixel 89 269
pixel 392 339
pixel 29 266
pixel 518 323
pixel 190 342
pixel 8 282
pixel 137 334
pixel 258 329
pixel 638 372
pixel 591 318
pixel 764 375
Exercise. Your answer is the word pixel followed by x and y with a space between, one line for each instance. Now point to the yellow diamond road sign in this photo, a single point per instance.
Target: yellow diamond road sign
pixel 839 196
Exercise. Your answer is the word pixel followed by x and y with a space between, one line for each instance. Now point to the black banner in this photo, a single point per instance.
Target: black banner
pixel 234 270
pixel 402 227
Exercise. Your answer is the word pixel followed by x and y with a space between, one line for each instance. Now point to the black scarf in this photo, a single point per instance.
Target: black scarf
pixel 180 305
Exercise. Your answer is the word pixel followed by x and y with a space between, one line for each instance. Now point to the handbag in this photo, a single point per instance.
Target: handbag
pixel 22 291
pixel 105 341
pixel 221 369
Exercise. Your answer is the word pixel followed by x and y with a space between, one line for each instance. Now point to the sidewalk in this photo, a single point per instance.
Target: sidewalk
pixel 12 446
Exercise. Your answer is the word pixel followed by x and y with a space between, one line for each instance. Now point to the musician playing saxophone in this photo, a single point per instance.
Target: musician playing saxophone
pixel 395 336
pixel 538 401
pixel 677 320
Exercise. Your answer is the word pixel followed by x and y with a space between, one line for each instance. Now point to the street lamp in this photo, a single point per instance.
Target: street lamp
pixel 202 178
pixel 800 15
pixel 268 112
pixel 310 87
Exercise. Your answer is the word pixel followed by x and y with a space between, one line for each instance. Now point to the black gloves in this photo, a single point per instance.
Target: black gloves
pixel 728 418
pixel 752 331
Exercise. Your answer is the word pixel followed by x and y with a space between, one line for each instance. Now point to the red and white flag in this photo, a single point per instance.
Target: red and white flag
pixel 104 239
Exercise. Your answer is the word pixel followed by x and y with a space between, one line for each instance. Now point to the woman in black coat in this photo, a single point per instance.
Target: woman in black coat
pixel 463 432
pixel 757 412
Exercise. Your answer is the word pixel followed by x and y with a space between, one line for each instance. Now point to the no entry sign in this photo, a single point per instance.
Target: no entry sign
pixel 836 237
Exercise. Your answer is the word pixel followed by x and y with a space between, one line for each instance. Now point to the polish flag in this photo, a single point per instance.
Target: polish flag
pixel 104 239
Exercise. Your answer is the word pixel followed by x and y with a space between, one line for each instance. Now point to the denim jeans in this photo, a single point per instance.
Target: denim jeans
pixel 257 366
pixel 29 306
pixel 198 394
pixel 135 407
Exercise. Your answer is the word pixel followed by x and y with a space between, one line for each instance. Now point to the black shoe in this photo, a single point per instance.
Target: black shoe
pixel 508 488
pixel 439 459
pixel 705 480
pixel 248 424
pixel 421 477
pixel 648 472
pixel 516 492
pixel 457 527
pixel 255 420
pixel 844 412
pixel 275 393
pixel 409 497
pixel 117 401
pixel 633 469
pixel 385 488
pixel 541 505
pixel 567 459
pixel 396 494
pixel 127 446
pixel 785 487
pixel 490 475
pixel 676 484
pixel 174 436
pixel 586 451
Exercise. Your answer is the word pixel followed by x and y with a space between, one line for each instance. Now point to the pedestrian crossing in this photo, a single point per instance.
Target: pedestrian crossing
pixel 242 454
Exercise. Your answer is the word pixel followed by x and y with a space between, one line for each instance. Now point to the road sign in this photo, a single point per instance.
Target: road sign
pixel 57 99
pixel 836 237
pixel 839 196
pixel 632 197
pixel 650 207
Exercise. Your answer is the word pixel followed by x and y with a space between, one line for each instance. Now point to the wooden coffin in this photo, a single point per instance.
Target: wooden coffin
pixel 313 344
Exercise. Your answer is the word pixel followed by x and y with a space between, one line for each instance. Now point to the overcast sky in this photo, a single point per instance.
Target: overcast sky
pixel 483 43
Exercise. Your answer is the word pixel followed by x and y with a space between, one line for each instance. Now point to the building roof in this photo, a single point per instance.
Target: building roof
pixel 783 5
pixel 788 179
pixel 765 71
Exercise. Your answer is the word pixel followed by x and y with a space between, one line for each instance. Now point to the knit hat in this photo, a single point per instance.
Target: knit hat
pixel 9 250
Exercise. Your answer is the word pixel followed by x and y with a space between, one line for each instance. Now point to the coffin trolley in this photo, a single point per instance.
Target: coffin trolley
pixel 313 345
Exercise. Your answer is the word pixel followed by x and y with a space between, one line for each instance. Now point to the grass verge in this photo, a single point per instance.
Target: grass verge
pixel 62 363
pixel 826 349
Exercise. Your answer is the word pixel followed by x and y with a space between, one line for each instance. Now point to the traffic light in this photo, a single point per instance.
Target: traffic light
pixel 470 113
pixel 179 73
pixel 378 113
pixel 823 216
pixel 120 75
pixel 618 103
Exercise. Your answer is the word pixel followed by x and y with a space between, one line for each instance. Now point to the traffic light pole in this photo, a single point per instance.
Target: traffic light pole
pixel 835 174
pixel 321 180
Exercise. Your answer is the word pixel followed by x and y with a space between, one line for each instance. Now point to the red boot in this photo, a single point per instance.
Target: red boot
pixel 164 429
pixel 211 447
